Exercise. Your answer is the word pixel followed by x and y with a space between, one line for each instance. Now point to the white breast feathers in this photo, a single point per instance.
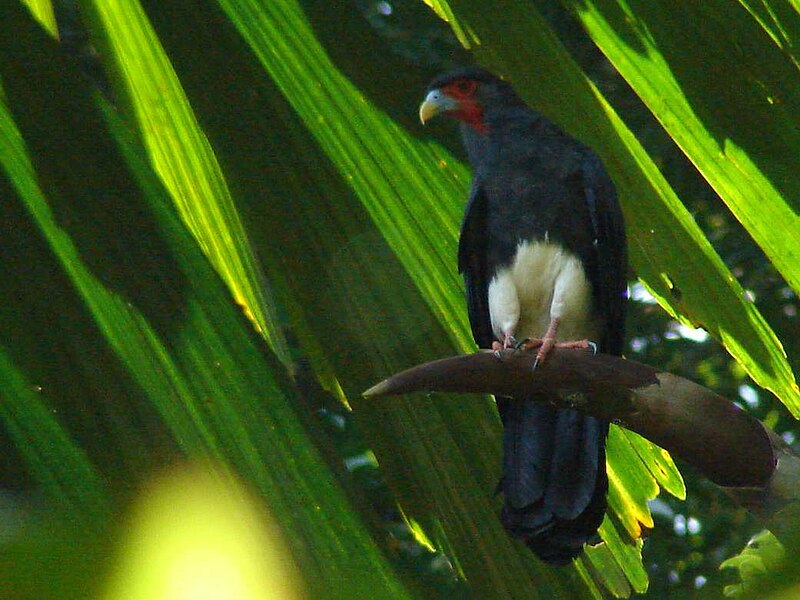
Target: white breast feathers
pixel 544 282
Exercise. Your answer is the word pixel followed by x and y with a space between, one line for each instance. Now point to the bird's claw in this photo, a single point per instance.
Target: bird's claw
pixel 544 345
pixel 508 343
pixel 521 345
pixel 497 349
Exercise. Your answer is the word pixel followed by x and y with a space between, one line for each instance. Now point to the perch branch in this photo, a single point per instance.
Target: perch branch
pixel 723 442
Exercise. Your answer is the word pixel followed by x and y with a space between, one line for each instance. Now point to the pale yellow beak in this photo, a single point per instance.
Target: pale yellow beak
pixel 427 110
pixel 435 102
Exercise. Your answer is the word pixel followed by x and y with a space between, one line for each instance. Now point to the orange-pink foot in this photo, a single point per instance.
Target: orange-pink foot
pixel 549 343
pixel 531 344
pixel 578 345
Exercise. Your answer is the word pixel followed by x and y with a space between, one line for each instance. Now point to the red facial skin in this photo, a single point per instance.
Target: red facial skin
pixel 470 111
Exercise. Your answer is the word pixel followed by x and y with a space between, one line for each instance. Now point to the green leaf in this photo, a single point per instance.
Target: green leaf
pixel 360 230
pixel 93 240
pixel 466 37
pixel 43 11
pixel 381 163
pixel 50 454
pixel 286 137
pixel 780 22
pixel 630 485
pixel 183 158
pixel 762 555
pixel 408 188
pixel 627 554
pixel 701 292
pixel 601 564
pixel 734 114
pixel 659 463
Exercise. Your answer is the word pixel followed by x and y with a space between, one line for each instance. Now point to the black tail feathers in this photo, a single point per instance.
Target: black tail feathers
pixel 554 477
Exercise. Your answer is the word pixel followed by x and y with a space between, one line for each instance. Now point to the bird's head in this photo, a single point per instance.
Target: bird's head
pixel 465 95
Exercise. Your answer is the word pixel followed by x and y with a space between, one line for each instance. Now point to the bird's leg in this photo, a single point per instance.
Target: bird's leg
pixel 547 342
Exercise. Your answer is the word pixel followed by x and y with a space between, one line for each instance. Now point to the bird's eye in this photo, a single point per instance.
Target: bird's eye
pixel 465 86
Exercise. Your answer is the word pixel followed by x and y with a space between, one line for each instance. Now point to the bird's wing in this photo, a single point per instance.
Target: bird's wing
pixel 606 268
pixel 609 276
pixel 472 263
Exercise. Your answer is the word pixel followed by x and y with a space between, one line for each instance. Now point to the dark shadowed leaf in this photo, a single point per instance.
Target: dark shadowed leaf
pixel 93 239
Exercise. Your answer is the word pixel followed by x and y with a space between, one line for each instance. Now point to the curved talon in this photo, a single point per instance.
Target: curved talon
pixel 592 345
pixel 521 344
pixel 509 342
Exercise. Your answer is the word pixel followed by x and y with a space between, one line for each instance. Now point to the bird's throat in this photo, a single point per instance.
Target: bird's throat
pixel 471 113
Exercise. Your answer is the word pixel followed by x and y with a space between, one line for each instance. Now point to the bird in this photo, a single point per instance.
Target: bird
pixel 542 251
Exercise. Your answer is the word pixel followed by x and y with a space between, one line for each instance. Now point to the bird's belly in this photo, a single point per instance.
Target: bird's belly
pixel 544 281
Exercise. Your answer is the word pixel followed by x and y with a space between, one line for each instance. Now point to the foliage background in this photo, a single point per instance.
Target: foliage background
pixel 222 221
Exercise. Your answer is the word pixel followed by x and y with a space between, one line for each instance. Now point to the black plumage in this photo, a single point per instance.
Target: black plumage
pixel 534 183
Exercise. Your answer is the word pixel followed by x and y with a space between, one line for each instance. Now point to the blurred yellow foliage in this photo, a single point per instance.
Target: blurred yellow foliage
pixel 196 533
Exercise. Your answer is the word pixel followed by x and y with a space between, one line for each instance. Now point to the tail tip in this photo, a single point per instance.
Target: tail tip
pixel 554 541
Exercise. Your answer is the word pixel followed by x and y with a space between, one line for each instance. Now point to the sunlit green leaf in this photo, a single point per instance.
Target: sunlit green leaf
pixel 661 232
pixel 660 464
pixel 138 278
pixel 314 234
pixel 43 11
pixel 740 130
pixel 763 553
pixel 631 486
pixel 600 563
pixel 181 155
